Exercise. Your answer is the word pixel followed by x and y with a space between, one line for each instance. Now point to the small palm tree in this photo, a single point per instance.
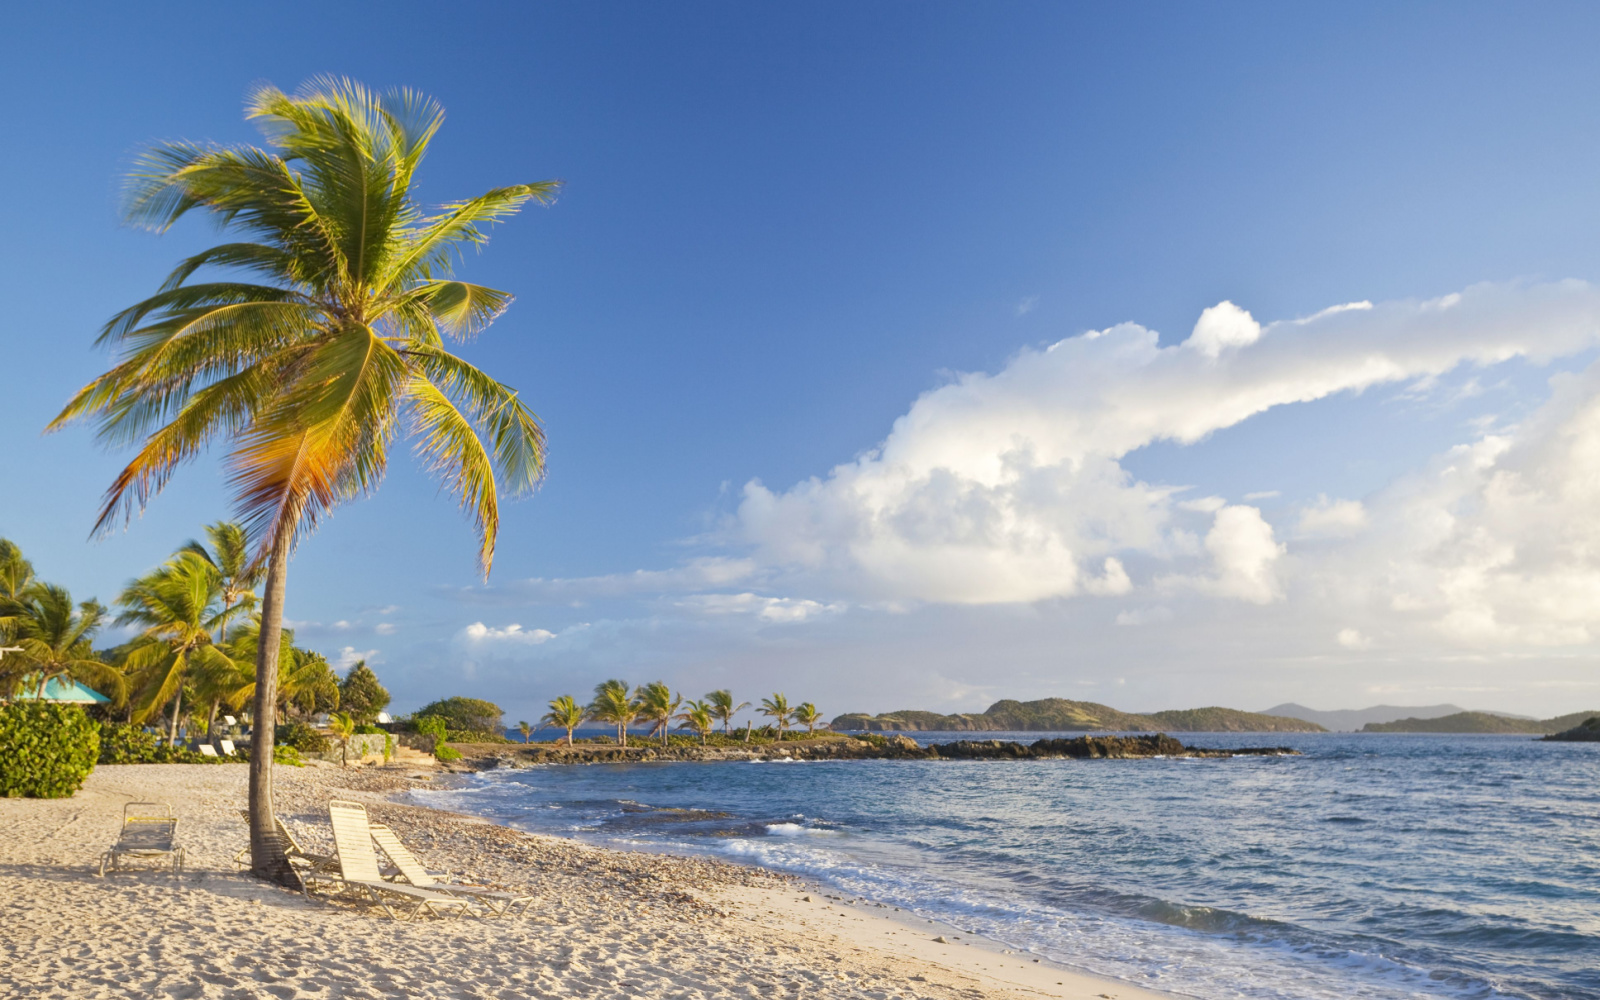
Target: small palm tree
pixel 525 729
pixel 657 704
pixel 777 708
pixel 697 716
pixel 237 573
pixel 343 728
pixel 565 713
pixel 612 705
pixel 324 339
pixel 807 715
pixel 722 707
pixel 55 638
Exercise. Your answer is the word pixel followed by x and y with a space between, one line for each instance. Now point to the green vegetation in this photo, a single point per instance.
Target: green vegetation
pixel 324 335
pixel 1064 715
pixel 360 694
pixel 302 737
pixel 46 751
pixel 657 705
pixel 723 709
pixel 613 705
pixel 475 719
pixel 777 709
pixel 1481 722
pixel 343 727
pixel 128 744
pixel 565 713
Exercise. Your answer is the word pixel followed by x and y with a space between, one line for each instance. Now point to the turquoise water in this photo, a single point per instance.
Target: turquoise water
pixel 1373 866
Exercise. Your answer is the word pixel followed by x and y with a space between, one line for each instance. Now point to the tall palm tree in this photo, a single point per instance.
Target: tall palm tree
pixel 777 707
pixel 56 638
pixel 696 715
pixel 722 707
pixel 657 704
pixel 238 573
pixel 308 371
pixel 807 715
pixel 178 607
pixel 612 704
pixel 565 713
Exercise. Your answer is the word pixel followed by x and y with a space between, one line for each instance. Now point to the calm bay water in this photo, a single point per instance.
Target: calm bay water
pixel 1373 866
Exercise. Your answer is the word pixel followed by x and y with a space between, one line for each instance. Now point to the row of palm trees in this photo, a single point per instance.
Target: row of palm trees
pixel 195 645
pixel 655 704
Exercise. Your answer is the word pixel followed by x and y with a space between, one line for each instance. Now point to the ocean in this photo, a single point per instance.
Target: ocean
pixel 1374 866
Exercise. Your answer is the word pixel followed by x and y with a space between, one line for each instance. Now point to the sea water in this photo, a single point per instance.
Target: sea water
pixel 1372 866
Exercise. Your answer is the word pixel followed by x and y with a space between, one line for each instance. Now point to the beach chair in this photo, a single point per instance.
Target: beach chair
pixel 227 747
pixel 207 750
pixel 148 833
pixel 358 871
pixel 297 855
pixel 499 904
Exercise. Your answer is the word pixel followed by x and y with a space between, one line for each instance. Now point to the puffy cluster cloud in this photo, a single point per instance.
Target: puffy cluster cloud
pixel 478 632
pixel 776 610
pixel 1009 487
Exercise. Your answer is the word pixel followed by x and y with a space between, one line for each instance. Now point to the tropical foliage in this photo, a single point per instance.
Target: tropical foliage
pixel 565 713
pixel 613 705
pixel 777 708
pixel 720 703
pixel 657 706
pixel 343 727
pixel 473 717
pixel 322 338
pixel 807 715
pixel 696 716
pixel 361 695
pixel 46 750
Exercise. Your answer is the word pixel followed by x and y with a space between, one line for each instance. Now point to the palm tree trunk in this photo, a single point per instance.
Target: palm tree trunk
pixel 267 859
pixel 211 720
pixel 177 703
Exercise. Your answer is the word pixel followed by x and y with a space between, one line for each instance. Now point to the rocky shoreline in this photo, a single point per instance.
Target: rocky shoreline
pixel 483 756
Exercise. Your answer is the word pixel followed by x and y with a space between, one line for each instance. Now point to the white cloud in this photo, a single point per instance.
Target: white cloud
pixel 1000 488
pixel 386 628
pixel 1351 638
pixel 1264 495
pixel 1027 305
pixel 349 656
pixel 1333 518
pixel 780 610
pixel 478 632
pixel 698 574
pixel 1145 616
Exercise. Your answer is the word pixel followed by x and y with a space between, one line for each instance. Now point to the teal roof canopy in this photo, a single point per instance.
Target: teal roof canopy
pixel 62 690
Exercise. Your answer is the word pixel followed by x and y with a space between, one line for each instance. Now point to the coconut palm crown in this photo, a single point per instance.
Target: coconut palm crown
pixel 322 338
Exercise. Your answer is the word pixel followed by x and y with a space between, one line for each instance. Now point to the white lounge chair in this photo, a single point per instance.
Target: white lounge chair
pixel 149 831
pixel 227 747
pixel 499 904
pixel 207 750
pixel 358 870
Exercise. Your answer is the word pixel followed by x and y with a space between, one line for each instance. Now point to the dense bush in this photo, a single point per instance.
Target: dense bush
pixel 469 715
pixel 433 725
pixel 361 695
pixel 46 751
pixel 302 737
pixel 124 744
pixel 370 731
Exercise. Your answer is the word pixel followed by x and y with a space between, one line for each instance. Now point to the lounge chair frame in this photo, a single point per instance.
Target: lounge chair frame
pixel 495 902
pixel 297 855
pixel 149 831
pixel 358 873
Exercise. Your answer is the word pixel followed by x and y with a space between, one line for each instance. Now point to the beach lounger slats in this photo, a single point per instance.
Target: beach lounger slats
pixel 149 833
pixel 297 855
pixel 498 903
pixel 358 870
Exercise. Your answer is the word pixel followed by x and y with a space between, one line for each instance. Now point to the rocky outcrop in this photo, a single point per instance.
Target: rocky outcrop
pixel 1587 731
pixel 482 756
pixel 1065 715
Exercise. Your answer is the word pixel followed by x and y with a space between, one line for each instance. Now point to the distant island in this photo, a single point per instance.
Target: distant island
pixel 1482 722
pixel 1350 720
pixel 1064 715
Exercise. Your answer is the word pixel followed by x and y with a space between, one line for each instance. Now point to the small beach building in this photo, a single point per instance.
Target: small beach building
pixel 62 691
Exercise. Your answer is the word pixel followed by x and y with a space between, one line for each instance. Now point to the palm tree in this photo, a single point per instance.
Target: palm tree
pixel 343 728
pixel 55 637
pixel 808 716
pixel 697 716
pixel 565 713
pixel 777 707
pixel 612 704
pixel 229 554
pixel 722 707
pixel 307 372
pixel 657 704
pixel 178 607
pixel 525 729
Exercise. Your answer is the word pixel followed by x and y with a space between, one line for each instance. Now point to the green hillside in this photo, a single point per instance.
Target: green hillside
pixel 1065 715
pixel 1481 722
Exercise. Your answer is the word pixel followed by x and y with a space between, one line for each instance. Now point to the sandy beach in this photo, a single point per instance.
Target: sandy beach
pixel 608 923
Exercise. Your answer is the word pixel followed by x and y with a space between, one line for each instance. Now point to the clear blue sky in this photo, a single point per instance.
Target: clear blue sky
pixel 781 225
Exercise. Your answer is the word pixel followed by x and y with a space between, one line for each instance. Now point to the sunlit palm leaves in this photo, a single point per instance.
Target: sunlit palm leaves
pixel 565 713
pixel 777 708
pixel 696 715
pixel 613 705
pixel 56 638
pixel 331 339
pixel 722 707
pixel 178 609
pixel 657 705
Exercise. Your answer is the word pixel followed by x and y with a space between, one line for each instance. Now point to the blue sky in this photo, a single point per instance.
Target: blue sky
pixel 787 227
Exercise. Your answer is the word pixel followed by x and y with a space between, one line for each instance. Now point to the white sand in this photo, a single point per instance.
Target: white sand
pixel 608 923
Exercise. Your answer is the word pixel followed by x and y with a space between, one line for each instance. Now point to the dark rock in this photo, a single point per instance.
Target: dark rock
pixel 1586 732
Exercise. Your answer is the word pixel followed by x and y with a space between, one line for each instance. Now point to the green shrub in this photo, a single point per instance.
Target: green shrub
pixel 283 753
pixel 46 751
pixel 370 731
pixel 302 737
pixel 388 747
pixel 446 752
pixel 472 715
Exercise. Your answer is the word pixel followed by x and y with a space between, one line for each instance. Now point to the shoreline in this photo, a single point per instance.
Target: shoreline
pixel 608 921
